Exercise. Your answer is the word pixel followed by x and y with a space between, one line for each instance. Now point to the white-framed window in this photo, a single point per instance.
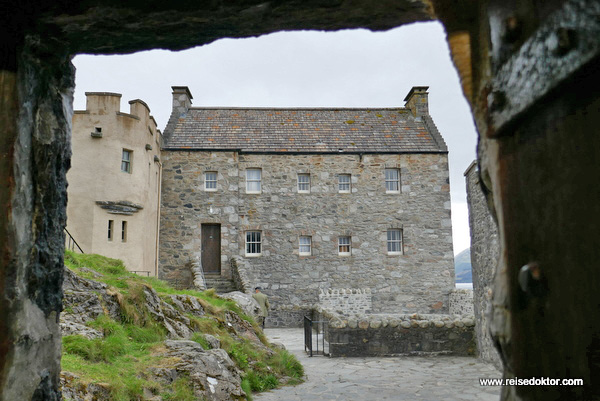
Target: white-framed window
pixel 210 180
pixel 392 180
pixel 124 231
pixel 305 245
pixel 344 245
pixel 111 224
pixel 253 180
pixel 126 161
pixel 253 243
pixel 303 182
pixel 394 241
pixel 344 185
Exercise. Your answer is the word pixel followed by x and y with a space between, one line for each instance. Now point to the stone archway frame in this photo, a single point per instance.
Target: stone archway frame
pixel 528 69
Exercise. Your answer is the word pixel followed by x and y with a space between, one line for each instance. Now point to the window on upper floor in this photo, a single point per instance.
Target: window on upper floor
pixel 253 243
pixel 210 181
pixel 344 246
pixel 392 180
pixel 253 180
pixel 394 241
pixel 303 183
pixel 344 183
pixel 305 245
pixel 126 161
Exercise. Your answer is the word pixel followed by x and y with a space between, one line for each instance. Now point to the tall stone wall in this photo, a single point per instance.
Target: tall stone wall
pixel 484 257
pixel 419 280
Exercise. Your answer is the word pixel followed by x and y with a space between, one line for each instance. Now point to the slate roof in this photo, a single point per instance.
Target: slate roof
pixel 303 130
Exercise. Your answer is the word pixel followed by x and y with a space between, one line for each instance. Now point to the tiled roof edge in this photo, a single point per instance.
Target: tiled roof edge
pixel 295 152
pixel 437 137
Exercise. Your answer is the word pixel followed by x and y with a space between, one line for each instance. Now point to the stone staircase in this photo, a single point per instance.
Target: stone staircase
pixel 219 283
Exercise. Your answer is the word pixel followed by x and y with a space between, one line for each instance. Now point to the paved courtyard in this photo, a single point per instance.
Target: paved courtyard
pixel 442 378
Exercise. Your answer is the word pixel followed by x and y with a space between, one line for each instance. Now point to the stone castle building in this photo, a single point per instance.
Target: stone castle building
pixel 114 181
pixel 305 201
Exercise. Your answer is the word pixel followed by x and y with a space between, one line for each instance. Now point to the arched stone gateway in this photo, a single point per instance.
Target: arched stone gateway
pixel 528 68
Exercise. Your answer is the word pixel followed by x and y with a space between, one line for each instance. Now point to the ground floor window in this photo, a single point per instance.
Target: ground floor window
pixel 253 243
pixel 110 229
pixel 123 231
pixel 344 245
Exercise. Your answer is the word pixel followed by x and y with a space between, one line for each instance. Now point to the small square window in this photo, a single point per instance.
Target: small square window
pixel 253 243
pixel 210 181
pixel 123 231
pixel 305 246
pixel 253 180
pixel 394 242
pixel 344 183
pixel 126 161
pixel 392 180
pixel 344 246
pixel 304 183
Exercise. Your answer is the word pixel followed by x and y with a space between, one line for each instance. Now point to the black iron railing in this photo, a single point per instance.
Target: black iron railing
pixel 314 335
pixel 71 243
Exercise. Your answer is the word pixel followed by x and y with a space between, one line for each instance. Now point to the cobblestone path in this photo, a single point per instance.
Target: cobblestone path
pixel 443 378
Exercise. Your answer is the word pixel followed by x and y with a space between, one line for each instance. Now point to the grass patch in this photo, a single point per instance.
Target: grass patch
pixel 126 351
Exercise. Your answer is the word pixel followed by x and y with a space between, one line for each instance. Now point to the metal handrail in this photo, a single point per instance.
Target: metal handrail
pixel 71 244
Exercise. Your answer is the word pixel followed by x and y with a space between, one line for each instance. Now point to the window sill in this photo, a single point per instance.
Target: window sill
pixel 253 193
pixel 253 255
pixel 210 190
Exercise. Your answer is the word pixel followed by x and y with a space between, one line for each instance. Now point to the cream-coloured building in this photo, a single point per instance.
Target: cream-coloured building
pixel 114 181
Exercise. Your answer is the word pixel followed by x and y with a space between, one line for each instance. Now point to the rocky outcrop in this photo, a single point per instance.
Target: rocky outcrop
pixel 212 373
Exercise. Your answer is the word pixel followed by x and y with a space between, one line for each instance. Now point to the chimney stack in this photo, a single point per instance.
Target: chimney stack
pixel 417 101
pixel 182 99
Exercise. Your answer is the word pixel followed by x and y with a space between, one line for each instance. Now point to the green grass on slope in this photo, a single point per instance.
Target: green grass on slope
pixel 132 345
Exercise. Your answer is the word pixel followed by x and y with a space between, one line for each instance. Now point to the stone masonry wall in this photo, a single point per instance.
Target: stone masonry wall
pixel 419 280
pixel 461 302
pixel 346 301
pixel 398 334
pixel 484 257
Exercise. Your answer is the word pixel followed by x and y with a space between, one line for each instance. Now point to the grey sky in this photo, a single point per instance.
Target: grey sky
pixel 356 68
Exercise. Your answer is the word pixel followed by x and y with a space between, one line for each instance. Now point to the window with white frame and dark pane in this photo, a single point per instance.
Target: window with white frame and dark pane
pixel 126 161
pixel 253 243
pixel 253 180
pixel 303 183
pixel 210 180
pixel 344 183
pixel 344 245
pixel 305 245
pixel 394 241
pixel 392 180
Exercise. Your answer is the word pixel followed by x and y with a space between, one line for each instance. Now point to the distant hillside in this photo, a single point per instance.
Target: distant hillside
pixel 462 267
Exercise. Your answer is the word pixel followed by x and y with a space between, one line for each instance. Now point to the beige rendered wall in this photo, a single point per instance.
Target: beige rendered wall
pixel 96 175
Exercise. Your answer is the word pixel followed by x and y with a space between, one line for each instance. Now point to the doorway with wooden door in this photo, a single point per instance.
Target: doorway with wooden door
pixel 211 248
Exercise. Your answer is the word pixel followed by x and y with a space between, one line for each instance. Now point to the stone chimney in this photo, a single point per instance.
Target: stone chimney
pixel 182 100
pixel 417 101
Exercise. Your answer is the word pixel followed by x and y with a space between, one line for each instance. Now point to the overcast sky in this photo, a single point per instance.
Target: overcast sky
pixel 352 68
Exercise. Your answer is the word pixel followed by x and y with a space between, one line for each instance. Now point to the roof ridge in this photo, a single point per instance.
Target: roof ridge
pixel 293 108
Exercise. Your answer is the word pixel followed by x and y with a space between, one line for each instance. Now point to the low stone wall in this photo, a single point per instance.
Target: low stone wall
pixel 392 335
pixel 351 301
pixel 461 302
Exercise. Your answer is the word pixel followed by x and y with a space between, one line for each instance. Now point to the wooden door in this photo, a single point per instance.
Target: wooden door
pixel 211 248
